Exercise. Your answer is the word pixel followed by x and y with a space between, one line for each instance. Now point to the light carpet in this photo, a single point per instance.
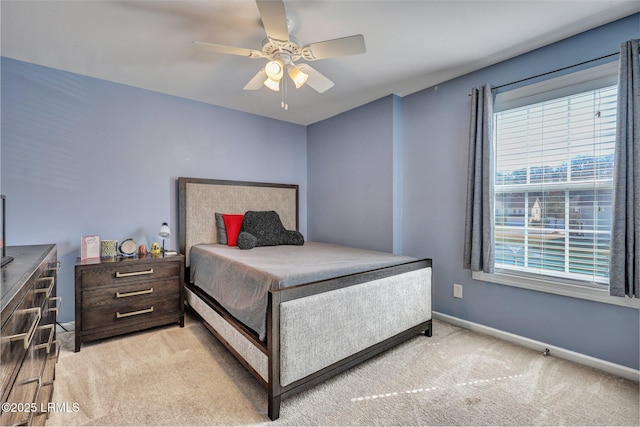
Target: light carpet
pixel 184 376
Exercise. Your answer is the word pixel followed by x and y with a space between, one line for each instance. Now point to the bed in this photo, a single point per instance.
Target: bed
pixel 294 316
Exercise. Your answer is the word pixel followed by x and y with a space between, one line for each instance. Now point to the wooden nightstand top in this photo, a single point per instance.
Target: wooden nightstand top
pixel 126 259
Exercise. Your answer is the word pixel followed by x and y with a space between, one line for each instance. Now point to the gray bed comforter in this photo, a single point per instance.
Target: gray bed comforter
pixel 241 279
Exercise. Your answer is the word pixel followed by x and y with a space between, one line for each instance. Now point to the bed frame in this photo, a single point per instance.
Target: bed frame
pixel 315 330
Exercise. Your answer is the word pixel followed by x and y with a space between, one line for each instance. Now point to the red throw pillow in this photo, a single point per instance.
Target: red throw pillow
pixel 233 224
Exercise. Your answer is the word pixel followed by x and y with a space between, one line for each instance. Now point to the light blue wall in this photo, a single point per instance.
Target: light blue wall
pixel 435 162
pixel 85 156
pixel 350 176
pixel 434 142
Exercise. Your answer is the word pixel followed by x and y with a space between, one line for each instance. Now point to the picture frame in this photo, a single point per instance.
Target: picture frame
pixel 89 247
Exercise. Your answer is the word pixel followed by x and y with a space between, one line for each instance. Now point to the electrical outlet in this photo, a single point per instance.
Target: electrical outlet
pixel 457 290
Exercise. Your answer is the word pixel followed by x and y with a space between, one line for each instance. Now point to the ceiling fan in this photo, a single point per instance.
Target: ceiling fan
pixel 283 50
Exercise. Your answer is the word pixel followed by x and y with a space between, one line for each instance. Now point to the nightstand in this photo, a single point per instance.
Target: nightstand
pixel 126 294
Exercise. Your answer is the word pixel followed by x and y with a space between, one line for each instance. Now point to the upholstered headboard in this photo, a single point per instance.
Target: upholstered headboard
pixel 200 199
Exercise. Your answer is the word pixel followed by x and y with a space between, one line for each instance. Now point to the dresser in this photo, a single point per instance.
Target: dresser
pixel 28 337
pixel 126 294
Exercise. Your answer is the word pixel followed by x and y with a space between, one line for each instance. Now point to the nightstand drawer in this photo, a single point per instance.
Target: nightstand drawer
pixel 124 272
pixel 125 314
pixel 149 292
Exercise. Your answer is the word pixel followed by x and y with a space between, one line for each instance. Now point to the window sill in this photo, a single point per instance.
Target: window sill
pixel 555 286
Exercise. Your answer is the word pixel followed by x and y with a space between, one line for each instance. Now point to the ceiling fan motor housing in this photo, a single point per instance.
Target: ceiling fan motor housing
pixel 286 51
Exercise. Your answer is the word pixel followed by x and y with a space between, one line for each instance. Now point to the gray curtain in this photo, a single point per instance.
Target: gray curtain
pixel 478 234
pixel 624 277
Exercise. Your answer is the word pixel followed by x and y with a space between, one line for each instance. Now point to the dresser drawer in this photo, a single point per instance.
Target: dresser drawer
pixel 34 362
pixel 41 278
pixel 35 305
pixel 28 383
pixel 129 313
pixel 147 291
pixel 49 373
pixel 17 336
pixel 28 332
pixel 20 402
pixel 123 272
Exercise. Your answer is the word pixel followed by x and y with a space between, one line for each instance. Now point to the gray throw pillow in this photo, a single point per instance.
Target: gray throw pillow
pixel 221 230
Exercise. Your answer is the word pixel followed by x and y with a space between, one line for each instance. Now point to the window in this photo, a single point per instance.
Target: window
pixel 554 184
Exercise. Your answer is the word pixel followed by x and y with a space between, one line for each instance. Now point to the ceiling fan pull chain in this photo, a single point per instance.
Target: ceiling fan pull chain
pixel 286 92
pixel 283 94
pixel 282 85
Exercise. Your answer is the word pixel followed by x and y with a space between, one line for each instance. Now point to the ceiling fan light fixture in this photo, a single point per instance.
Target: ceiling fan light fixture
pixel 274 85
pixel 299 78
pixel 274 69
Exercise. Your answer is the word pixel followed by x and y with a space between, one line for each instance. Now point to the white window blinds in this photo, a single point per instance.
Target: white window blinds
pixel 553 186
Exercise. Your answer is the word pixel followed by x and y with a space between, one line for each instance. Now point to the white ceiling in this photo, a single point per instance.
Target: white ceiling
pixel 411 45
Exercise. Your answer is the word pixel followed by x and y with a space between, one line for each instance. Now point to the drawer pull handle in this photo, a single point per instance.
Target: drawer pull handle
pixel 133 313
pixel 132 294
pixel 47 344
pixel 58 301
pixel 135 273
pixel 56 355
pixel 55 266
pixel 48 290
pixel 33 380
pixel 27 336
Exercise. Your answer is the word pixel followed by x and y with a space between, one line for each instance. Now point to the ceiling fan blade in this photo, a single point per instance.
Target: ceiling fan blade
pixel 316 79
pixel 352 45
pixel 274 19
pixel 229 50
pixel 257 81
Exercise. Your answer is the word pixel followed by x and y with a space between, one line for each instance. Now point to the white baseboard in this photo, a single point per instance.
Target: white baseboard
pixel 603 365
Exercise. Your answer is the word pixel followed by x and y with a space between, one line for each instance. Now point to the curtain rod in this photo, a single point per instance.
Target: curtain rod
pixel 555 71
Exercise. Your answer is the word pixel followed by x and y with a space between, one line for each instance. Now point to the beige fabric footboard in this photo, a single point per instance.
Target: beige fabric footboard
pixel 319 330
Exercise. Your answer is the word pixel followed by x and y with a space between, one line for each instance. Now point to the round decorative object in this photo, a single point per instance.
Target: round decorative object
pixel 128 247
